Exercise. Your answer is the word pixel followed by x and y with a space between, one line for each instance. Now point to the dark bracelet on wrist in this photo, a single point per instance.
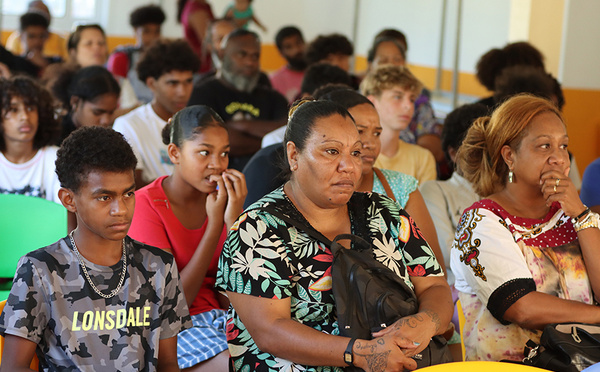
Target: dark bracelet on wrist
pixel 581 215
pixel 348 356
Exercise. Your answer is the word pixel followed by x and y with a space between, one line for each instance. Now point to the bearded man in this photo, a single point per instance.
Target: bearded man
pixel 249 109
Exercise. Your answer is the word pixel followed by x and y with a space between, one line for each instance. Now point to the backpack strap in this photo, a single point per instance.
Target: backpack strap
pixel 384 183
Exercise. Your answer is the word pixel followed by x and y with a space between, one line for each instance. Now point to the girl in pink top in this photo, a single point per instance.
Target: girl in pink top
pixel 188 214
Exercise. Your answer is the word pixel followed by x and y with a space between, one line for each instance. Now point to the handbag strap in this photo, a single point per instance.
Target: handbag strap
pixel 384 183
pixel 306 227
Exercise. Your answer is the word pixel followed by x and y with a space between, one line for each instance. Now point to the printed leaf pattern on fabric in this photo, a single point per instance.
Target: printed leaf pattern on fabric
pixel 267 257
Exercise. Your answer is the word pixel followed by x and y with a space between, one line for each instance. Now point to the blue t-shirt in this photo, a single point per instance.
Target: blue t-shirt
pixel 590 184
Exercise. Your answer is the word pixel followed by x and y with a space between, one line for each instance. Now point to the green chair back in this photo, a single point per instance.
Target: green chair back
pixel 26 224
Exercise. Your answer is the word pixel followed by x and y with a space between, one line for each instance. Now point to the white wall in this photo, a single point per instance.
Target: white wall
pixel 580 55
pixel 485 24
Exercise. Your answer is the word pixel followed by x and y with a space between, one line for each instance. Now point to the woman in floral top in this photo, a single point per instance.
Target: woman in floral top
pixel 529 253
pixel 278 278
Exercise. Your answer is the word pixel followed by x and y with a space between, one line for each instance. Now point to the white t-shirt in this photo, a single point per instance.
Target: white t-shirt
pixel 35 177
pixel 142 128
pixel 273 137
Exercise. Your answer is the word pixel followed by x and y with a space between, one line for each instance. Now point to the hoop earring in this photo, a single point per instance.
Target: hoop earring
pixel 511 177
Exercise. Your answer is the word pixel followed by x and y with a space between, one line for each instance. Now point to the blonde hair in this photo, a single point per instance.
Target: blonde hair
pixel 479 157
pixel 387 77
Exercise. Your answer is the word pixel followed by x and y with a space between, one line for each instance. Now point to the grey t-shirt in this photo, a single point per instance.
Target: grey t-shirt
pixel 53 305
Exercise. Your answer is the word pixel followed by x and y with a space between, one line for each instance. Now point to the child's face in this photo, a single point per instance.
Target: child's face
pixel 395 107
pixel 20 121
pixel 242 4
pixel 104 204
pixel 203 156
pixel 98 112
pixel 147 34
pixel 33 38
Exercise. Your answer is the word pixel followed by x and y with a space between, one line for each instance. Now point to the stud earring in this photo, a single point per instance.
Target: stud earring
pixel 294 167
pixel 511 177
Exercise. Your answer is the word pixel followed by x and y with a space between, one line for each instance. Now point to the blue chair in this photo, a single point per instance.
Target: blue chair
pixel 26 223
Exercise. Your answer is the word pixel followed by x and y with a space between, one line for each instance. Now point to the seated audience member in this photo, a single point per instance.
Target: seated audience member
pixel 386 50
pixel 590 186
pixel 195 16
pixel 95 299
pixel 288 79
pixel 402 186
pixel 146 22
pixel 518 255
pixel 88 95
pixel 167 68
pixel 317 76
pixel 334 49
pixel 528 79
pixel 188 214
pixel 87 47
pixel 28 130
pixel 250 110
pixel 34 33
pixel 54 44
pixel 287 322
pixel 216 32
pixel 447 200
pixel 263 171
pixel 393 91
pixel 491 64
pixel 423 129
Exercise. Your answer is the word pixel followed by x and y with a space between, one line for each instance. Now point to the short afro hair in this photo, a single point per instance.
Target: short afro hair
pixel 164 56
pixel 321 74
pixel 324 45
pixel 89 149
pixel 286 32
pixel 33 19
pixel 523 79
pixel 149 14
pixel 491 64
pixel 32 94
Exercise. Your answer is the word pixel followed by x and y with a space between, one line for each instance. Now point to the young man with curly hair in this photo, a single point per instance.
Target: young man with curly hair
pixel 167 68
pixel 96 299
pixel 27 130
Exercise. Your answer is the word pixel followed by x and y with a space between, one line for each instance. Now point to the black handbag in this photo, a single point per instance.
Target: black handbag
pixel 565 347
pixel 368 295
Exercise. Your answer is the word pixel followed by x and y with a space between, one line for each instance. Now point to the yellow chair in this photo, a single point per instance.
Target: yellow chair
pixel 461 325
pixel 481 366
pixel 34 362
pixel 26 223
